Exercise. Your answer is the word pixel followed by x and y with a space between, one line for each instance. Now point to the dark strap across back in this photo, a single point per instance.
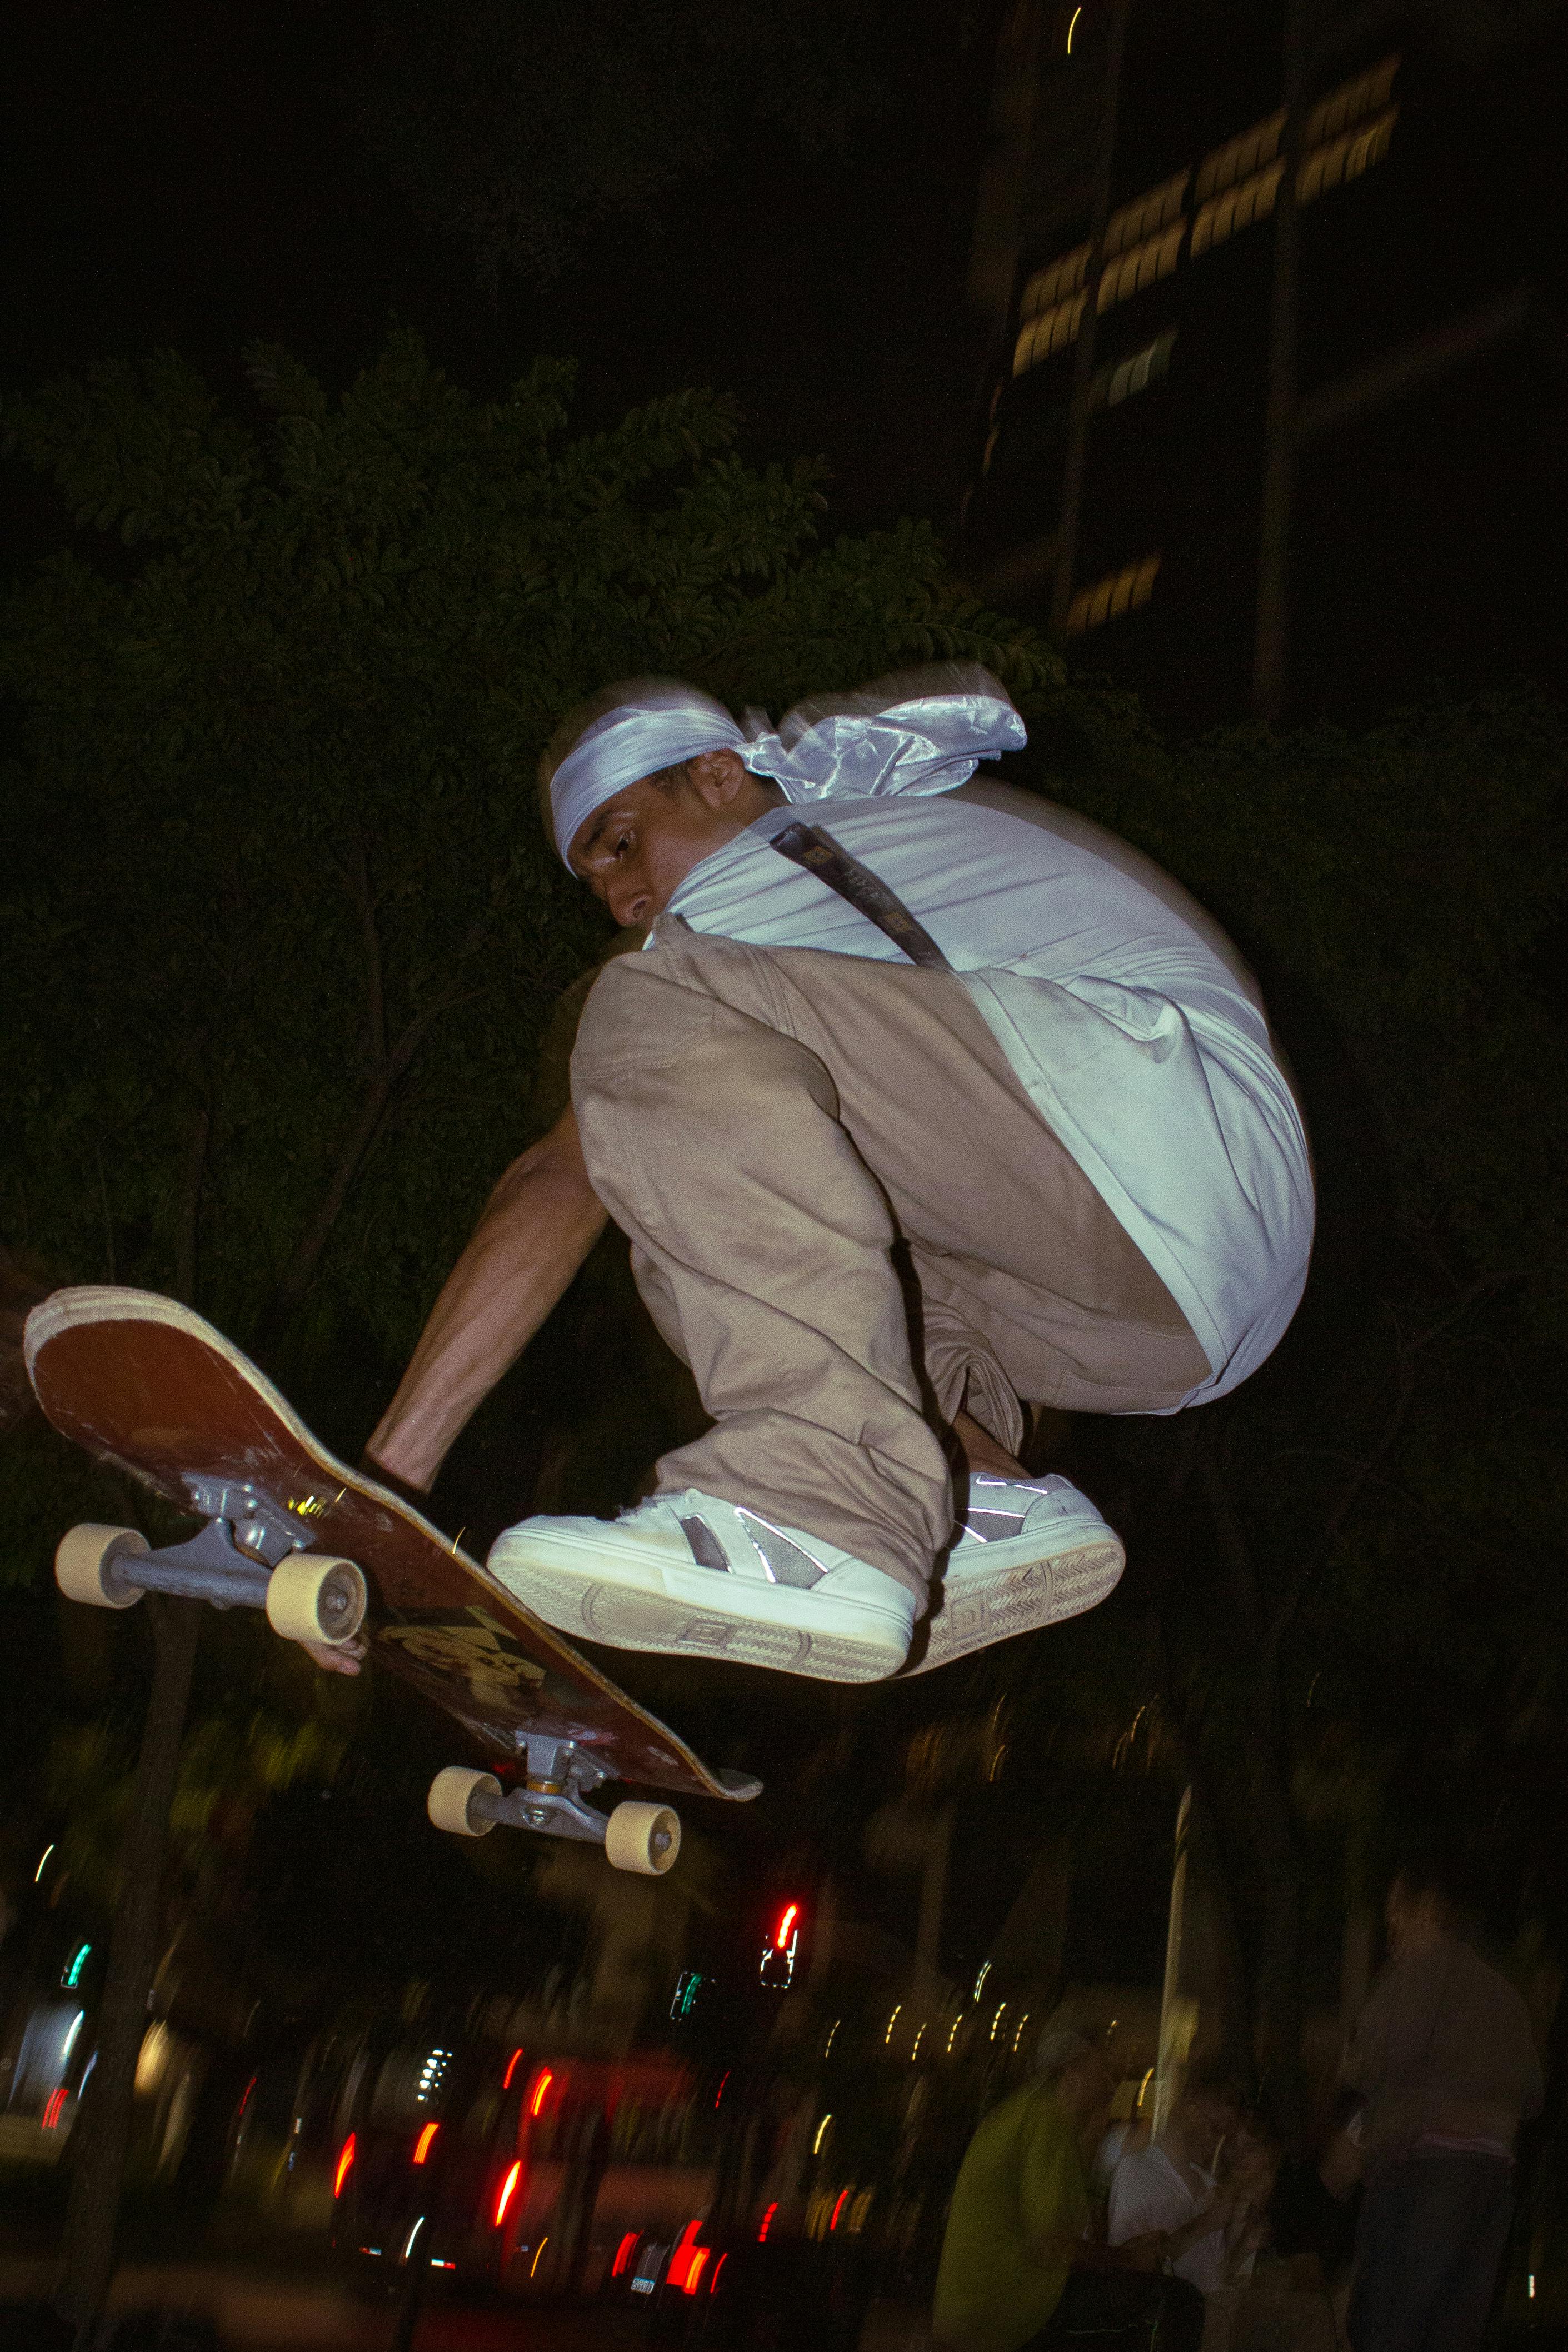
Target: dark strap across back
pixel 809 846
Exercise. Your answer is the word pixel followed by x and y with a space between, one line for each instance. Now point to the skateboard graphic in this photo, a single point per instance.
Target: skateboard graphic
pixel 144 1384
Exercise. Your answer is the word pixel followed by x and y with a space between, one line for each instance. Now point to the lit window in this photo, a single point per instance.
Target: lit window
pixel 1240 164
pixel 1141 218
pixel 1043 336
pixel 1051 285
pixel 1239 158
pixel 1144 265
pixel 1345 158
pixel 1222 216
pixel 1353 100
pixel 1123 592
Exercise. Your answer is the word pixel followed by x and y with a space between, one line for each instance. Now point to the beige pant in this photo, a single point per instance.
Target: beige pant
pixel 766 1125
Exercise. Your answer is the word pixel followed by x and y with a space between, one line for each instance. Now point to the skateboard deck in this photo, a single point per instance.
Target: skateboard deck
pixel 142 1384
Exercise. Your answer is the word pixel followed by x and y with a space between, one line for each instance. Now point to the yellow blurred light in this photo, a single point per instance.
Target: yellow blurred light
pixel 888 2037
pixel 821 2133
pixel 152 2057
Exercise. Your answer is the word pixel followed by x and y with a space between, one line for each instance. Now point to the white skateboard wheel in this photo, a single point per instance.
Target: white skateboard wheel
pixel 643 1838
pixel 85 1566
pixel 451 1792
pixel 312 1598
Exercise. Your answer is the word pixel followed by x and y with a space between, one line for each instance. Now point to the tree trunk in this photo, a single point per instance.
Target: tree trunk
pixel 105 2120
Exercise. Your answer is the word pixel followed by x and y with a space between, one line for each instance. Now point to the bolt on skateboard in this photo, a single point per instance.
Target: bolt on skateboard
pixel 142 1384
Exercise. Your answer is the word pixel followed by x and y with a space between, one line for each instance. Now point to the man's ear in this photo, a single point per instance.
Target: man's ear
pixel 716 777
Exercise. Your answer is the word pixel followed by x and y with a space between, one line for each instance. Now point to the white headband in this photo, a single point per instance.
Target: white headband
pixel 925 732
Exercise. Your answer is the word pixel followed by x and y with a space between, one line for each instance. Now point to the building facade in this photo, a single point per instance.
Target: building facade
pixel 1273 400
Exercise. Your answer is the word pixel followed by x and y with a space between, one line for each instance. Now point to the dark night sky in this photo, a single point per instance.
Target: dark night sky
pixel 195 177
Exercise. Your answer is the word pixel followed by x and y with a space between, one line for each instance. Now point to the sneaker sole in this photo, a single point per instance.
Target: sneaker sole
pixel 650 1616
pixel 1020 1599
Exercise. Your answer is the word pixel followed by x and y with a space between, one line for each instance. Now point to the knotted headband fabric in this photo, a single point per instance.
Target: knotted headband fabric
pixel 926 731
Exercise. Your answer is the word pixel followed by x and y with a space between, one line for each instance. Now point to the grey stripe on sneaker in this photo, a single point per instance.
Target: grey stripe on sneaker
pixel 706 1548
pixel 994 1527
pixel 784 1559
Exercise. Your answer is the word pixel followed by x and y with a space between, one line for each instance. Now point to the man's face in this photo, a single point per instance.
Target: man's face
pixel 638 848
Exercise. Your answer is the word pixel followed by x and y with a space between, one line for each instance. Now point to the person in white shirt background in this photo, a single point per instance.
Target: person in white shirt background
pixel 924 1096
pixel 1175 2188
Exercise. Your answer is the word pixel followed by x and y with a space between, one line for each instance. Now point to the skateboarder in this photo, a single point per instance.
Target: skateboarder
pixel 923 1096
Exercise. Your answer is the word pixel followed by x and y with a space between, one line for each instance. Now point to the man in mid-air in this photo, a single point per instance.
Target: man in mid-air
pixel 923 1096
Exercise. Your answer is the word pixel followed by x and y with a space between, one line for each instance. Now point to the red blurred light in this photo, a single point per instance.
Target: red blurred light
pixel 423 2143
pixel 345 2165
pixel 508 2192
pixel 719 2091
pixel 51 2114
pixel 249 2088
pixel 512 2063
pixel 843 2198
pixel 791 1914
pixel 624 2253
pixel 713 2281
pixel 536 2097
pixel 686 2259
pixel 768 2224
pixel 695 2269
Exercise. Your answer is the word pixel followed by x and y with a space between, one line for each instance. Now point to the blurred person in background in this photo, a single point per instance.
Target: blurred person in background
pixel 1021 2265
pixel 1172 2190
pixel 1446 2062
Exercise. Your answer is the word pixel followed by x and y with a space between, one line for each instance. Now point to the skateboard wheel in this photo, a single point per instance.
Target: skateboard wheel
pixel 643 1838
pixel 451 1793
pixel 313 1599
pixel 85 1566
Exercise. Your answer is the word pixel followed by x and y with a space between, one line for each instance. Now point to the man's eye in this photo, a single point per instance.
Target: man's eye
pixel 622 843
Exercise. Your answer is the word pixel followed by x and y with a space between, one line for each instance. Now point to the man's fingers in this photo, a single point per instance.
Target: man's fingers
pixel 335 1657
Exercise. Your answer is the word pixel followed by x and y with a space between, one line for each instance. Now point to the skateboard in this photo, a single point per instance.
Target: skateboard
pixel 145 1385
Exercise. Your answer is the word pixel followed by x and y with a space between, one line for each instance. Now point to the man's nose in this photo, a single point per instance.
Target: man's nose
pixel 630 902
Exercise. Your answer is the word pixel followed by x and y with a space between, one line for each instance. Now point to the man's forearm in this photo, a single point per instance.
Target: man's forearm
pixel 538 1226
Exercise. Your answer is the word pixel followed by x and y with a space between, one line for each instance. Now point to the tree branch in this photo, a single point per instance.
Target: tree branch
pixel 1355 1485
pixel 356 1147
pixel 374 977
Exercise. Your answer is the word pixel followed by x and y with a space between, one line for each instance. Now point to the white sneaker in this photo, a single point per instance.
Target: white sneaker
pixel 704 1579
pixel 1028 1552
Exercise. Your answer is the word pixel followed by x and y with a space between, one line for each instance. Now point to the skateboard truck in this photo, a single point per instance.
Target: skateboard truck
pixel 558 1774
pixel 245 1557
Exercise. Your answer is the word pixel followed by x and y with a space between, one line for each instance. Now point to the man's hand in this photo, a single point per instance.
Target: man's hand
pixel 336 1657
pixel 538 1226
pixel 1143 2254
